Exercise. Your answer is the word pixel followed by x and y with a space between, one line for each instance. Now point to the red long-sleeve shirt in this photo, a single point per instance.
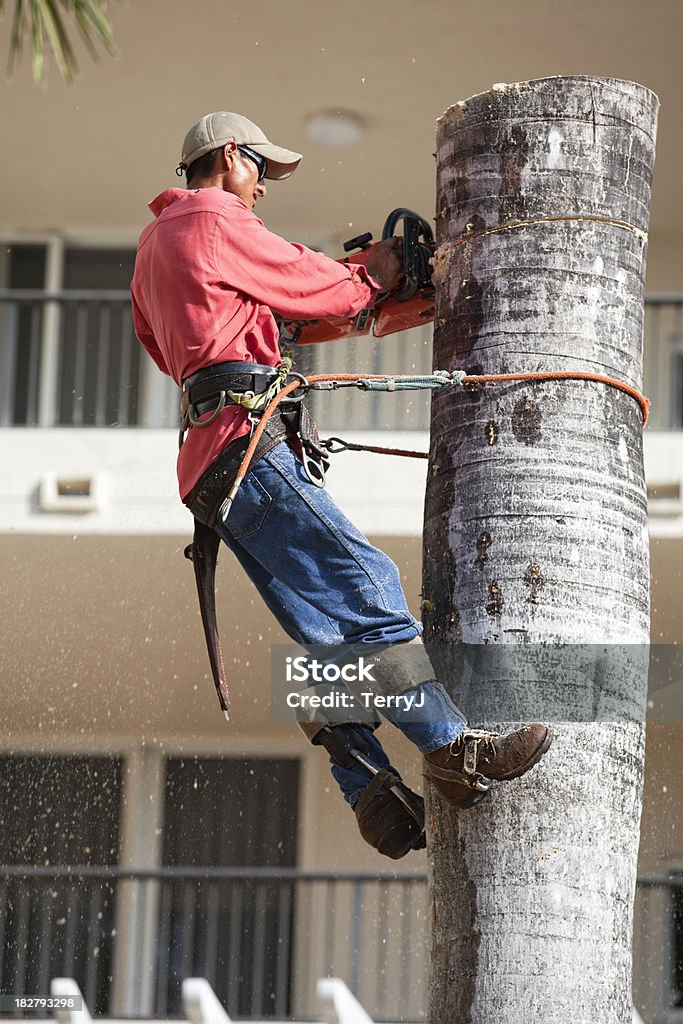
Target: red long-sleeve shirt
pixel 207 275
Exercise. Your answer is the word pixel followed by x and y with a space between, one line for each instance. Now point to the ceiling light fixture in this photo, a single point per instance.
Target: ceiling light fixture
pixel 334 127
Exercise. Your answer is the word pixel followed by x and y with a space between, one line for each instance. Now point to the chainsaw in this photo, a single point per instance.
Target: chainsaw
pixel 409 305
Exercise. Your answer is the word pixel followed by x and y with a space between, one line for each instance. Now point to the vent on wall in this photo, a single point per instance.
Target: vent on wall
pixel 62 493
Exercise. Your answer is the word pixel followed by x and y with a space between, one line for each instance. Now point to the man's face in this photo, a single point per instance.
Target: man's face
pixel 242 178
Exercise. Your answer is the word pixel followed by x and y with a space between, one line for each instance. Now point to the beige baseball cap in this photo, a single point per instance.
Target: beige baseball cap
pixel 222 126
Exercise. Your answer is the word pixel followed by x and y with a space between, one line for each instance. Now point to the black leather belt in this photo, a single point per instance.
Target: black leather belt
pixel 207 389
pixel 205 385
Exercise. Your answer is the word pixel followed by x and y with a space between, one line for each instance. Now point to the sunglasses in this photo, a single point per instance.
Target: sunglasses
pixel 259 160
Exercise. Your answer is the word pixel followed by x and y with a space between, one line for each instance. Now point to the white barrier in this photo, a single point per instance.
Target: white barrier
pixel 201 1004
pixel 63 988
pixel 337 1004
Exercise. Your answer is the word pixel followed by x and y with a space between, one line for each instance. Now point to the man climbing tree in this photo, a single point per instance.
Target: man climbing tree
pixel 536 559
pixel 208 275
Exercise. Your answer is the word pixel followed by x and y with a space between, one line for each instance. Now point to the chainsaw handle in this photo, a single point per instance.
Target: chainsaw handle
pixel 359 242
pixel 415 255
pixel 403 214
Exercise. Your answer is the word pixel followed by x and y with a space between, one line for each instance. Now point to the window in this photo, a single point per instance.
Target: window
pixel 237 933
pixel 99 364
pixel 72 360
pixel 663 361
pixel 676 963
pixel 58 811
pixel 676 415
pixel 22 268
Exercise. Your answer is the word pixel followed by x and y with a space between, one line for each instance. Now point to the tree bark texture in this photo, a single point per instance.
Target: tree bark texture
pixel 536 575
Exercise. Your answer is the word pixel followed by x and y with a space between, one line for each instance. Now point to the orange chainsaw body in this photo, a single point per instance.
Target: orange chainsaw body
pixel 410 306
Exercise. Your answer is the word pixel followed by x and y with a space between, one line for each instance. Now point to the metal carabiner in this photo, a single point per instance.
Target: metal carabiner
pixel 194 420
pixel 300 394
pixel 315 463
pixel 334 445
pixel 253 419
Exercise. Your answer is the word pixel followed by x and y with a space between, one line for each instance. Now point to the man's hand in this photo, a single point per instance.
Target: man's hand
pixel 386 263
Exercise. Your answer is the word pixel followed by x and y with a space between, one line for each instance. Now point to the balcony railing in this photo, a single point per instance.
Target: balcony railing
pixel 658 947
pixel 262 937
pixel 70 358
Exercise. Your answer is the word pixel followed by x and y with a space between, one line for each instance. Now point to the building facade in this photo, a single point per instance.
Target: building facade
pixel 144 839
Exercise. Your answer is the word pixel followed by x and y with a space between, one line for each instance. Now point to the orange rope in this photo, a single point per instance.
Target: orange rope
pixel 495 378
pixel 471 380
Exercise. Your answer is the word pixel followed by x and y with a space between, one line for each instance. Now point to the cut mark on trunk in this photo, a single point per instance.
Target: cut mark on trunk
pixel 483 545
pixel 535 581
pixel 526 421
pixel 491 430
pixel 439 614
pixel 468 304
pixel 514 156
pixel 513 225
pixel 494 605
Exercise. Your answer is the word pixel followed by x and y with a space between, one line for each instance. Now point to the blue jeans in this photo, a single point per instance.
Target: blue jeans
pixel 326 584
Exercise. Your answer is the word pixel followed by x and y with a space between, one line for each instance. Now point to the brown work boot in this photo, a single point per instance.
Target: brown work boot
pixel 392 827
pixel 463 770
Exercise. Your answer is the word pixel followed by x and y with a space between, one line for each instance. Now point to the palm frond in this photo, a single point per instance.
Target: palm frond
pixel 91 20
pixel 46 22
pixel 59 41
pixel 37 52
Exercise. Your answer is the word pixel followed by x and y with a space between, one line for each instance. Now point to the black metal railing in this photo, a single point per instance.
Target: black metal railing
pixel 70 358
pixel 663 361
pixel 658 947
pixel 262 937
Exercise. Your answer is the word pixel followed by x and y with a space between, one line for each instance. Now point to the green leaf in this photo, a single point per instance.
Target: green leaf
pixel 18 29
pixel 46 22
pixel 91 20
pixel 94 13
pixel 37 40
pixel 59 41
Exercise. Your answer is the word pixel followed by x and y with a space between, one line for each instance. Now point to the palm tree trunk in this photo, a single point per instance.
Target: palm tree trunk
pixel 536 553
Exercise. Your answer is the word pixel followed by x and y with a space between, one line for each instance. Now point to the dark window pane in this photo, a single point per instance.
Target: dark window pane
pixel 238 934
pixel 58 811
pixel 677 391
pixel 677 948
pixel 221 811
pixel 26 266
pixel 98 268
pixel 100 356
pixel 23 324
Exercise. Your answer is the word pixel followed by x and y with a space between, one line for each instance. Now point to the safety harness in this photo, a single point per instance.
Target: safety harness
pixel 264 391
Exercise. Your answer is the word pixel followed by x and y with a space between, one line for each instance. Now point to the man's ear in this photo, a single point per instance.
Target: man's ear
pixel 229 153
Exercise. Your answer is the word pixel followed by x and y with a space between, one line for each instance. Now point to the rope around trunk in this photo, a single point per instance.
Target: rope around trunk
pixel 406 382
